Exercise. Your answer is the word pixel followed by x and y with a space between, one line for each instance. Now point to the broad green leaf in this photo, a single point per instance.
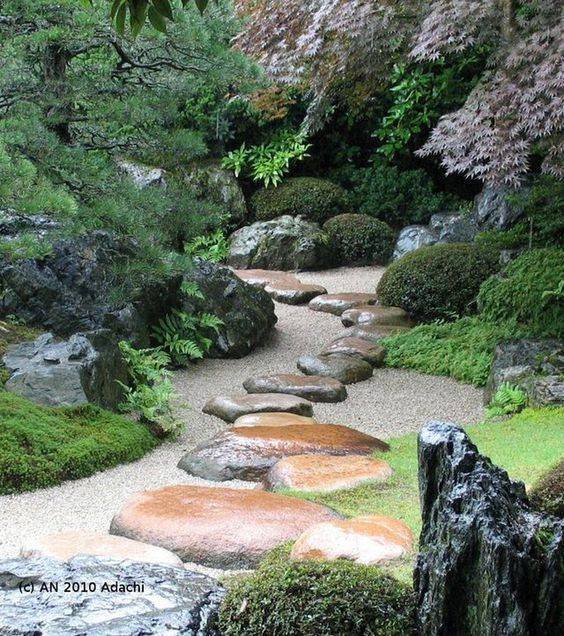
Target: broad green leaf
pixel 163 8
pixel 157 20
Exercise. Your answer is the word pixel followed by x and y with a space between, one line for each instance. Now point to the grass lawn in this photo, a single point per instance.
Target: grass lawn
pixel 525 445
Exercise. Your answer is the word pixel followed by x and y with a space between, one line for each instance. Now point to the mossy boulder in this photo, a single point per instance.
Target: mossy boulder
pixel 547 494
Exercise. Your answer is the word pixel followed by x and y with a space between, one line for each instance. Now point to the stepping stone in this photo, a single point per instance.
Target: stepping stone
pixel 368 351
pixel 64 546
pixel 217 527
pixel 378 315
pixel 314 388
pixel 262 277
pixel 336 304
pixel 372 333
pixel 230 407
pixel 326 473
pixel 293 293
pixel 346 369
pixel 367 540
pixel 249 452
pixel 272 419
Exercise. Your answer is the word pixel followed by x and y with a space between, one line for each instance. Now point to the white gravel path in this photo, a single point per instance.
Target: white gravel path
pixel 393 402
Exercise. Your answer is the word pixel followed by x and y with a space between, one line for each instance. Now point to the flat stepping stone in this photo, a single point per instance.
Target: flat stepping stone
pixel 284 287
pixel 347 369
pixel 326 473
pixel 336 304
pixel 249 452
pixel 272 419
pixel 314 387
pixel 372 333
pixel 64 546
pixel 351 346
pixel 367 540
pixel 262 277
pixel 376 315
pixel 230 407
pixel 217 527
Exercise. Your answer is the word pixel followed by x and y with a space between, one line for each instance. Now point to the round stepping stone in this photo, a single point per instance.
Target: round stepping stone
pixel 230 407
pixel 336 304
pixel 293 293
pixel 367 540
pixel 368 351
pixel 346 369
pixel 313 387
pixel 272 419
pixel 326 473
pixel 66 545
pixel 249 452
pixel 218 527
pixel 371 333
pixel 377 315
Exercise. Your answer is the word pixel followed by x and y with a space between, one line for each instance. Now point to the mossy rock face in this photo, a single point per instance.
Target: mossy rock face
pixel 547 495
pixel 359 239
pixel 438 281
pixel 314 199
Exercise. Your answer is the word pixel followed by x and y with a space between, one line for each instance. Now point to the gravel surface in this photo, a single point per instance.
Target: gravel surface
pixel 393 402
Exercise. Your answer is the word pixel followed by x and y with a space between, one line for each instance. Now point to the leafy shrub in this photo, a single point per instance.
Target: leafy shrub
pixel 462 349
pixel 547 494
pixel 438 281
pixel 357 238
pixel 315 199
pixel 507 400
pixel 287 598
pixel 519 293
pixel 399 197
pixel 42 446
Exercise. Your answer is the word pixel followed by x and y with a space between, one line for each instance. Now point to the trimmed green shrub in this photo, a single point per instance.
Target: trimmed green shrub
pixel 438 281
pixel 547 494
pixel 462 349
pixel 528 292
pixel 315 199
pixel 359 239
pixel 399 197
pixel 42 446
pixel 311 598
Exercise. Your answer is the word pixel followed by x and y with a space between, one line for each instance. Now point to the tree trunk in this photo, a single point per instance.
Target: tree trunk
pixel 55 62
pixel 508 25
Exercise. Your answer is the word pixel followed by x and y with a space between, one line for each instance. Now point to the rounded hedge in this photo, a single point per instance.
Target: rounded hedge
pixel 309 598
pixel 359 239
pixel 547 495
pixel 438 281
pixel 315 199
pixel 529 292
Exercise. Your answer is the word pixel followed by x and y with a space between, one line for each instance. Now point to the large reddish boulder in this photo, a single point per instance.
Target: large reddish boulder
pixel 368 540
pixel 249 452
pixel 217 527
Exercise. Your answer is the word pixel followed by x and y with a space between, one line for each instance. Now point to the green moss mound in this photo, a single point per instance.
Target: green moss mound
pixel 359 239
pixel 42 446
pixel 310 598
pixel 547 494
pixel 315 199
pixel 529 292
pixel 438 281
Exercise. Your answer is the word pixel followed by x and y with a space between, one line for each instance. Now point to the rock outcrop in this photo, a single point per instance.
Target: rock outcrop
pixel 111 598
pixel 413 237
pixel 84 368
pixel 493 210
pixel 488 564
pixel 453 228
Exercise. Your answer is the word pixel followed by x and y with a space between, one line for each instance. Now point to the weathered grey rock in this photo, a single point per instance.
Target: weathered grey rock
pixel 173 600
pixel 487 564
pixel 313 388
pixel 346 369
pixel 71 289
pixel 413 237
pixel 85 368
pixel 143 176
pixel 367 315
pixel 359 347
pixel 13 224
pixel 246 311
pixel 230 407
pixel 212 183
pixel 453 228
pixel 336 304
pixel 493 210
pixel 535 366
pixel 285 243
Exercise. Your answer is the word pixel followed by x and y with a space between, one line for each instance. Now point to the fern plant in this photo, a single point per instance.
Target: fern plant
pixel 213 247
pixel 508 399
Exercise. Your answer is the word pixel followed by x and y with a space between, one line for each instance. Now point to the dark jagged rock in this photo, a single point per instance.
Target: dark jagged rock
pixel 453 228
pixel 71 289
pixel 247 312
pixel 13 224
pixel 488 564
pixel 492 209
pixel 85 368
pixel 174 601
